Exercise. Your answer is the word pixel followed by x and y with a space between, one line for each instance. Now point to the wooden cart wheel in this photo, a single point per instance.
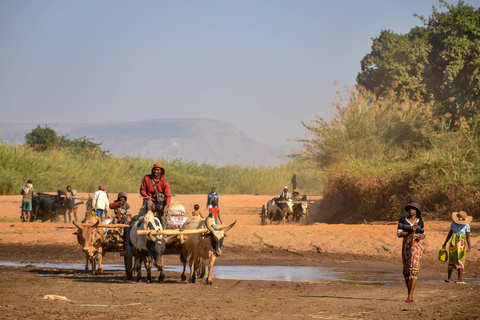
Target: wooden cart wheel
pixel 128 258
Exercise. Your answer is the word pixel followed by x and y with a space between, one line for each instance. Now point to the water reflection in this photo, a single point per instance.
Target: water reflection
pixel 269 273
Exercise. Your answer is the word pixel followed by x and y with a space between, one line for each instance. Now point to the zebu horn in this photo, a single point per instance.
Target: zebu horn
pixel 77 225
pixel 225 229
pixel 95 225
pixel 209 222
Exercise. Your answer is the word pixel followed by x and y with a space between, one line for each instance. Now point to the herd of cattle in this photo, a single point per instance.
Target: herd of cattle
pixel 197 242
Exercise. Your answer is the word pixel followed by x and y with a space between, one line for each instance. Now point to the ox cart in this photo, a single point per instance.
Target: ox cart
pixel 278 209
pixel 117 238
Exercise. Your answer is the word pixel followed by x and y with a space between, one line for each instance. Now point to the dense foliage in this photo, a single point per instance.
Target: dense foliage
pixel 411 126
pixel 437 62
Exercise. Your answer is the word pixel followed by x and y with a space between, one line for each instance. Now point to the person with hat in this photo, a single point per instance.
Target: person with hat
pixel 100 202
pixel 295 195
pixel 285 194
pixel 156 188
pixel 121 209
pixel 412 230
pixel 459 236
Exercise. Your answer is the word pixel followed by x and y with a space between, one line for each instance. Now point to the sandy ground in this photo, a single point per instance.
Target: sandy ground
pixel 37 292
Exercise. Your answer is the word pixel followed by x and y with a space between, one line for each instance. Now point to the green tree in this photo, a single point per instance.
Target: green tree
pixel 438 62
pixel 83 145
pixel 42 139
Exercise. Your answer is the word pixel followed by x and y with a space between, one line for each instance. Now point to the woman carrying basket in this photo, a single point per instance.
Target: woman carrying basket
pixel 411 229
pixel 459 236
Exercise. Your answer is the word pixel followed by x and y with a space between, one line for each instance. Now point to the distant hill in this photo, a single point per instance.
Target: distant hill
pixel 201 140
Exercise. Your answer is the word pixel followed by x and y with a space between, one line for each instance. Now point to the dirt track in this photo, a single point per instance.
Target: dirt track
pixel 110 295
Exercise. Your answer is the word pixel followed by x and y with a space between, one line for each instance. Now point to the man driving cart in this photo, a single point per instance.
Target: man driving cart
pixel 156 188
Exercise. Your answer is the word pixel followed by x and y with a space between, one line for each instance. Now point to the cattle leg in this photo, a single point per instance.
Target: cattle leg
pixel 148 266
pixel 198 267
pixel 210 268
pixel 94 265
pixel 161 277
pixel 99 257
pixel 193 278
pixel 138 265
pixel 87 261
pixel 183 259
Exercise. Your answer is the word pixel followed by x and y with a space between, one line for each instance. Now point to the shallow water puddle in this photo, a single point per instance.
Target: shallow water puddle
pixel 268 273
pixel 252 272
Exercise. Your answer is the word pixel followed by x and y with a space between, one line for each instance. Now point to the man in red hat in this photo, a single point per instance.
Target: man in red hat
pixel 156 188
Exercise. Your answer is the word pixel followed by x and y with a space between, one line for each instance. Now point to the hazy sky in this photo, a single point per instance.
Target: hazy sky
pixel 262 66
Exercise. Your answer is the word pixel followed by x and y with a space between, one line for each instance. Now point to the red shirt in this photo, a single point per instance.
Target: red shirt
pixel 146 189
pixel 215 212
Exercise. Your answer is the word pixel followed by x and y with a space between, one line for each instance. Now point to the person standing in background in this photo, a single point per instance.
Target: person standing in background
pixel 294 181
pixel 73 194
pixel 211 197
pixel 100 202
pixel 28 194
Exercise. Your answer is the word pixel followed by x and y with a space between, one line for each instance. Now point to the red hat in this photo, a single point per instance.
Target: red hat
pixel 101 187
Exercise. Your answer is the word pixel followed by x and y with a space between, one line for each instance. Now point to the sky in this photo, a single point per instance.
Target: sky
pixel 263 66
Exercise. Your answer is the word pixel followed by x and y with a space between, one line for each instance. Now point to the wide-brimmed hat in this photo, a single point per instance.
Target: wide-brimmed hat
pixel 461 217
pixel 414 204
pixel 295 191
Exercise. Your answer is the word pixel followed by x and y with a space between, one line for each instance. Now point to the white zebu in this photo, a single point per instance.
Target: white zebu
pixel 279 207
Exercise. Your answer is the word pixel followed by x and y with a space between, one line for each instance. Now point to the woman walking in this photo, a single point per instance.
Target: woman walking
pixel 411 229
pixel 459 236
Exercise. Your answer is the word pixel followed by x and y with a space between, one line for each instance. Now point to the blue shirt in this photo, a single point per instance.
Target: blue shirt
pixel 212 196
pixel 459 228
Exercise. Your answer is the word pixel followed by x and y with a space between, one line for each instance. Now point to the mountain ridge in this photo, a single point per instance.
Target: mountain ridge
pixel 201 140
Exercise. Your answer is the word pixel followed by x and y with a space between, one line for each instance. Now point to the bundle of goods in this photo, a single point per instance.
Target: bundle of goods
pixel 176 216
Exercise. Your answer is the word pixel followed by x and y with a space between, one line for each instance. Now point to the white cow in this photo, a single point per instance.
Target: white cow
pixel 279 209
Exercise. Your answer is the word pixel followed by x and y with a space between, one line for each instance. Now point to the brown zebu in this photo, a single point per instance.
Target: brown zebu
pixel 91 240
pixel 206 246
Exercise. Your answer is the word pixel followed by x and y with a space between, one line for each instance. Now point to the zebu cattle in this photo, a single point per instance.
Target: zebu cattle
pixel 49 203
pixel 279 209
pixel 148 249
pixel 205 246
pixel 91 240
pixel 300 209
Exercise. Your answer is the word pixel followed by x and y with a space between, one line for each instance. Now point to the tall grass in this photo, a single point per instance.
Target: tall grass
pixel 54 170
pixel 377 154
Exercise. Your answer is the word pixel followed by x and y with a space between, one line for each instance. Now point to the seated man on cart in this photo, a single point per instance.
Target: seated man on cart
pixel 156 188
pixel 121 209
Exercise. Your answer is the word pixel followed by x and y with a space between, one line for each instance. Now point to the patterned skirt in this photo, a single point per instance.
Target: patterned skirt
pixel 457 253
pixel 411 257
